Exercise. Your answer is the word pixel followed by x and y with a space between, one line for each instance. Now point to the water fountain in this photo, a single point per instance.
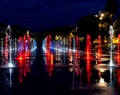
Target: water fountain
pixel 111 33
pixel 93 69
pixel 88 47
pixel 111 55
pixel 13 50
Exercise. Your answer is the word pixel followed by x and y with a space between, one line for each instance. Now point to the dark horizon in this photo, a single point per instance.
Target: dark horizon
pixel 41 15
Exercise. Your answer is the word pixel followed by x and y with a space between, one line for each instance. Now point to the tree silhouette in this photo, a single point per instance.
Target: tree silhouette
pixel 116 25
pixel 112 6
pixel 88 25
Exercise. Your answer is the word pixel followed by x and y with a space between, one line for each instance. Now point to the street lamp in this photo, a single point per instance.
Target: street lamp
pixel 101 16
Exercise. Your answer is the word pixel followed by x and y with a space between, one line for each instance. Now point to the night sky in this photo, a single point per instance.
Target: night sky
pixel 43 14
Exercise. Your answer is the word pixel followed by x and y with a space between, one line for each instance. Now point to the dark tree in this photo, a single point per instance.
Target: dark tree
pixel 116 25
pixel 88 25
pixel 112 6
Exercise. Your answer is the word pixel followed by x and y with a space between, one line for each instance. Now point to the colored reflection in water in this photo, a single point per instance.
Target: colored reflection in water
pixel 88 71
pixel 118 77
pixel 16 57
pixel 23 72
pixel 23 67
pixel 49 69
pixel 62 48
pixel 16 49
pixel 64 53
pixel 77 63
pixel 11 76
pixel 49 59
pixel 101 81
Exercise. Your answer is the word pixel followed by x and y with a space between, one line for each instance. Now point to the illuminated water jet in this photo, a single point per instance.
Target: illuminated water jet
pixel 13 49
pixel 111 33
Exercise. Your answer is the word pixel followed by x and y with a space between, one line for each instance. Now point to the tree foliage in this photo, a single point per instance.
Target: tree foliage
pixel 112 6
pixel 116 26
pixel 88 25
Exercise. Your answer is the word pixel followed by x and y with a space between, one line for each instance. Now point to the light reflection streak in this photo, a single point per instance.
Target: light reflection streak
pixel 88 70
pixel 101 82
pixel 118 77
pixel 71 51
pixel 10 71
pixel 111 78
